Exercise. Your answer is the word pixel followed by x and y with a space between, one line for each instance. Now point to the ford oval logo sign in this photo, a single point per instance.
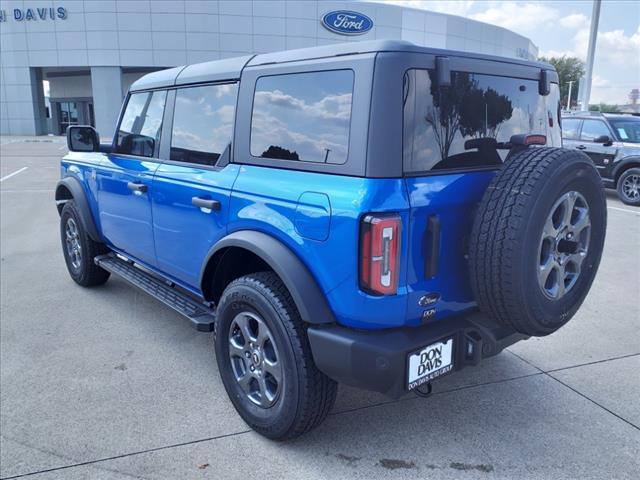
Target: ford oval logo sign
pixel 346 22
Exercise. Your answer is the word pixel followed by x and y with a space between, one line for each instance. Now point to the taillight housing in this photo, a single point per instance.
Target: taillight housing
pixel 380 253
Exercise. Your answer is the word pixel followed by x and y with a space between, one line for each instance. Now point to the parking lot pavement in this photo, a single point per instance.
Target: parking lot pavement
pixel 107 383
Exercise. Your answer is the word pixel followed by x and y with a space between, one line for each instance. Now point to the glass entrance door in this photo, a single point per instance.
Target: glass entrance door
pixel 68 115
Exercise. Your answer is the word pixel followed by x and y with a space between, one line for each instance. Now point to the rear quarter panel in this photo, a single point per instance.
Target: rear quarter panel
pixel 267 200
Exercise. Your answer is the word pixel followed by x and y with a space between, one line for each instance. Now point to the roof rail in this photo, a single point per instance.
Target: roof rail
pixel 583 113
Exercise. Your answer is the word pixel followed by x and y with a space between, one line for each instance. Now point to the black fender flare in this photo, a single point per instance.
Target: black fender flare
pixel 307 295
pixel 622 165
pixel 78 194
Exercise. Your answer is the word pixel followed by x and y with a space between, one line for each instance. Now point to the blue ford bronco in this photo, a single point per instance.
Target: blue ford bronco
pixel 376 214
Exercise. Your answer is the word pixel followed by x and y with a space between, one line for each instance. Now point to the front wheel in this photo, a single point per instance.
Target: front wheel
pixel 79 249
pixel 265 360
pixel 629 187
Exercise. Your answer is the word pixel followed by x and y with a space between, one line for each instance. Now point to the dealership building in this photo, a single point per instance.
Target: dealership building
pixel 71 62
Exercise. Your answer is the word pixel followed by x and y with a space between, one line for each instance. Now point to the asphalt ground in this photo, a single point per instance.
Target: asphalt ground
pixel 107 383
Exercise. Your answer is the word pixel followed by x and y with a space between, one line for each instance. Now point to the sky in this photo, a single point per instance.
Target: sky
pixel 561 27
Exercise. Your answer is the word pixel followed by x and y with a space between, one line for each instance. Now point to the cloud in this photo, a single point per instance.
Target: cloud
pixel 617 62
pixel 226 89
pixel 331 107
pixel 309 143
pixel 311 128
pixel 575 20
pixel 621 49
pixel 452 7
pixel 518 16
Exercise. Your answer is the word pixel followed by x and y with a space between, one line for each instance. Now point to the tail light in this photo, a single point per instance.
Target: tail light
pixel 380 253
pixel 523 139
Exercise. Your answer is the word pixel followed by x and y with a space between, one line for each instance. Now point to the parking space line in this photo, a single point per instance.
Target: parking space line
pixel 29 190
pixel 540 372
pixel 124 455
pixel 12 174
pixel 624 210
pixel 594 402
pixel 548 374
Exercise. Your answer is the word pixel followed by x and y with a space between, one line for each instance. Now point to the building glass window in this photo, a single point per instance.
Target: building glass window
pixel 461 126
pixel 203 123
pixel 303 116
pixel 139 131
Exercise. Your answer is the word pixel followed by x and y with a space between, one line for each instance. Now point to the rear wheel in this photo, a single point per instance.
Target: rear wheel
pixel 265 360
pixel 537 239
pixel 79 249
pixel 629 187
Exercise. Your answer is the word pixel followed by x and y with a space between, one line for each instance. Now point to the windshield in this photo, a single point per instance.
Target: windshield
pixel 627 130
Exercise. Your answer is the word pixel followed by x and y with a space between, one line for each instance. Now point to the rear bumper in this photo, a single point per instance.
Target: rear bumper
pixel 377 360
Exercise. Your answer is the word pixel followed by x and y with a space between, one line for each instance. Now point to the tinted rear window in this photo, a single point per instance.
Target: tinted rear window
pixel 484 108
pixel 303 116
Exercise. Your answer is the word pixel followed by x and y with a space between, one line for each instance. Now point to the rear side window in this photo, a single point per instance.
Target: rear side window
pixel 303 116
pixel 592 129
pixel 203 123
pixel 459 127
pixel 570 127
pixel 139 131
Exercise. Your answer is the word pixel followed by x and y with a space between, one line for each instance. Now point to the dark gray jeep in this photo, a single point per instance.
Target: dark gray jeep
pixel 613 143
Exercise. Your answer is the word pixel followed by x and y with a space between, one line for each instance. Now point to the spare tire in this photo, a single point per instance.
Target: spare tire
pixel 537 239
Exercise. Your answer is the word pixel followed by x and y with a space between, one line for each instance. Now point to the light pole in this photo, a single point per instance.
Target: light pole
pixel 585 86
pixel 569 96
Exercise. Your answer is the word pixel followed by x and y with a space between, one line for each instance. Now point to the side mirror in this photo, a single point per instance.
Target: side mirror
pixel 544 83
pixel 604 140
pixel 82 138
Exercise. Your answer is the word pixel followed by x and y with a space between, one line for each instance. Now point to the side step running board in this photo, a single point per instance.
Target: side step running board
pixel 201 316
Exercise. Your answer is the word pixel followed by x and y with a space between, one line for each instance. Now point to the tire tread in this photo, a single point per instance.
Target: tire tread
pixel 91 275
pixel 494 247
pixel 317 391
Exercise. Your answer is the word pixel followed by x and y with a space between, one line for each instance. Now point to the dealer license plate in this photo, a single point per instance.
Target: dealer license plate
pixel 429 363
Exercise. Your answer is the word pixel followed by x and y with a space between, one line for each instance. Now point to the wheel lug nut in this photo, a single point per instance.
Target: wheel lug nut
pixel 252 368
pixel 247 354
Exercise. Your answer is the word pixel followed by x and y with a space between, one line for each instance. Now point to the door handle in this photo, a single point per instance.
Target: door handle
pixel 433 254
pixel 205 203
pixel 137 187
pixel 581 147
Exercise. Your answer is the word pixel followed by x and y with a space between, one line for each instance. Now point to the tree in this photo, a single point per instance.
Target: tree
pixel 274 151
pixel 444 115
pixel 604 108
pixel 465 108
pixel 569 69
pixel 482 112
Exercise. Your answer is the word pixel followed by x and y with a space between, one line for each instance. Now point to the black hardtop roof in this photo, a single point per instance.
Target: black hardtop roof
pixel 231 68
